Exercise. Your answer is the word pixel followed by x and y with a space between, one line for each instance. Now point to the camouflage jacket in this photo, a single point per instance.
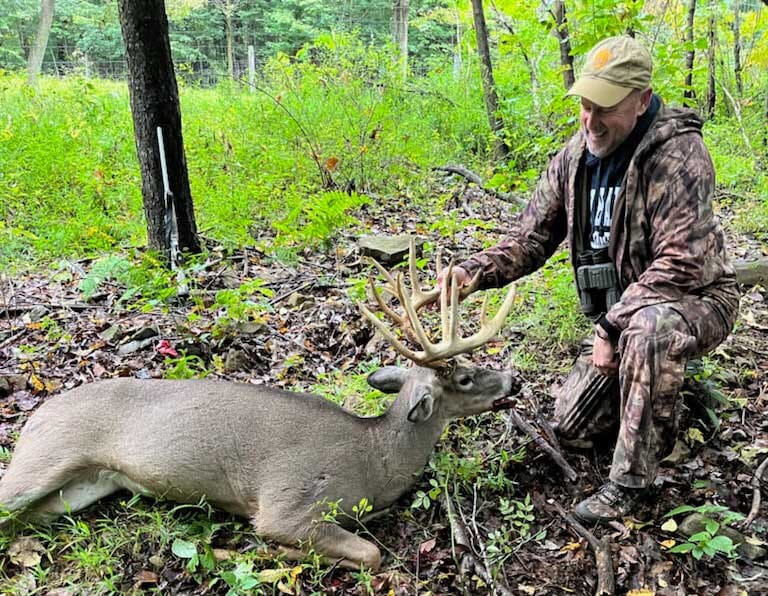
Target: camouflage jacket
pixel 666 241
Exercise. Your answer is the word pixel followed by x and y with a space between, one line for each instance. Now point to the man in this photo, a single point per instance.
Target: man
pixel 632 193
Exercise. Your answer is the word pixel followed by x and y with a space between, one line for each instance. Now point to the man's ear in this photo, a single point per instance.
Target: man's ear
pixel 645 101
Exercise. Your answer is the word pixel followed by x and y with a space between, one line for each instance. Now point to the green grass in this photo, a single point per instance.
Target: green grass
pixel 258 161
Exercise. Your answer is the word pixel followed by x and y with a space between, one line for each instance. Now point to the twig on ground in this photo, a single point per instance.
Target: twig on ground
pixel 551 450
pixel 757 479
pixel 475 179
pixel 466 561
pixel 480 544
pixel 9 340
pixel 606 585
pixel 467 207
pixel 287 293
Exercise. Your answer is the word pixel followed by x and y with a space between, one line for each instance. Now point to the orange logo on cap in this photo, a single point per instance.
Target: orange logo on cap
pixel 601 58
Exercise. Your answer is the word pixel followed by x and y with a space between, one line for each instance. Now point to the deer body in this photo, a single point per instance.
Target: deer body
pixel 270 455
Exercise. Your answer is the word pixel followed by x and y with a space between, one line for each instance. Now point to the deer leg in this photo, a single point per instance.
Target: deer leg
pixel 329 540
pixel 54 498
pixel 334 542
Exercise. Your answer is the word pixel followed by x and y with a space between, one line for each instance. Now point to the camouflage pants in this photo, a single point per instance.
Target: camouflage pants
pixel 643 400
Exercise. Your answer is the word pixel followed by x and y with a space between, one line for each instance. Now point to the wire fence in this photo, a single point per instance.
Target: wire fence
pixel 208 67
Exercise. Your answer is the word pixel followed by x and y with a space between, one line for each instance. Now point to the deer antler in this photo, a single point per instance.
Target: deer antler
pixel 419 297
pixel 433 353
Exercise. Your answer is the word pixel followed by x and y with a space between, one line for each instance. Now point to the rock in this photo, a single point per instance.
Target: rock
pixel 297 299
pixel 134 346
pixel 111 333
pixel 251 327
pixel 388 250
pixel 38 313
pixel 680 453
pixel 11 383
pixel 144 333
pixel 696 522
pixel 236 360
pixel 140 339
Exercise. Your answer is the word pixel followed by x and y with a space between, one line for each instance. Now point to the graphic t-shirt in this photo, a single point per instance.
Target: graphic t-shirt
pixel 607 177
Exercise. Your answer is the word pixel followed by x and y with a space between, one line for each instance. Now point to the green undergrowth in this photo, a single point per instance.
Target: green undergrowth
pixel 125 545
pixel 290 159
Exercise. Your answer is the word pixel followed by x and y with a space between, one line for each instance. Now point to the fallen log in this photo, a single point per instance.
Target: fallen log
pixel 750 273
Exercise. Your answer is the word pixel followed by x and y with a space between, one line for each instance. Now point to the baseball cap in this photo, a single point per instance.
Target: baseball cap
pixel 612 69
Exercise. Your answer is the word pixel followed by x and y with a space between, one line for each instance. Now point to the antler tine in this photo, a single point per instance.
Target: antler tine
pixel 388 335
pixel 399 319
pixel 418 295
pixel 452 343
pixel 420 335
pixel 448 308
pixel 392 289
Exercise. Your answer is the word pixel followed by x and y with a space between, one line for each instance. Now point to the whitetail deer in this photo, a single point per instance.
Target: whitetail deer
pixel 272 456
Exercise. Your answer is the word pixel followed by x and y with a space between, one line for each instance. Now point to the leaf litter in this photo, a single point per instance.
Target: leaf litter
pixel 52 340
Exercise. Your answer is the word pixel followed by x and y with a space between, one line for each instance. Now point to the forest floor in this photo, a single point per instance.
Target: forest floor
pixel 52 340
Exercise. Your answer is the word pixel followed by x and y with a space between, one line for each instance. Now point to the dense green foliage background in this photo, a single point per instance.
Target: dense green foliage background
pixel 331 118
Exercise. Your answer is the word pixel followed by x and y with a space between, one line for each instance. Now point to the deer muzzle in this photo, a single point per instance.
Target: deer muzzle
pixel 509 400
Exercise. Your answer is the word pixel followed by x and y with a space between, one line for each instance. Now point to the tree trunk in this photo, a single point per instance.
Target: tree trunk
pixel 564 39
pixel 689 96
pixel 37 51
pixel 737 47
pixel 457 47
pixel 230 50
pixel 765 117
pixel 155 103
pixel 504 22
pixel 400 10
pixel 712 39
pixel 500 149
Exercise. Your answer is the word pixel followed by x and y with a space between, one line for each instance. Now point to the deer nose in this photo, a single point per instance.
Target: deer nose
pixel 512 382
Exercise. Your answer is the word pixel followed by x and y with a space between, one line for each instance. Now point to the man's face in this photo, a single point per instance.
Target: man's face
pixel 607 128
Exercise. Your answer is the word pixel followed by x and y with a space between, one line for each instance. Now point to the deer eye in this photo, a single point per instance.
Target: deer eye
pixel 465 381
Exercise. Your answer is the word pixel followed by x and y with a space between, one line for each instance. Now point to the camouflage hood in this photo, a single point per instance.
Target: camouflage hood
pixel 670 122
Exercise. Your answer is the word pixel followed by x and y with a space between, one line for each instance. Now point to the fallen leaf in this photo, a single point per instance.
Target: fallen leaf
pixel 331 163
pixel 571 546
pixel 223 554
pixel 26 552
pixel 633 524
pixel 669 526
pixel 668 543
pixel 145 577
pixel 427 546
pixel 271 576
pixel 641 592
pixel 36 383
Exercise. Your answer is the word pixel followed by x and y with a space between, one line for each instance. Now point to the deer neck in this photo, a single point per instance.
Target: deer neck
pixel 401 449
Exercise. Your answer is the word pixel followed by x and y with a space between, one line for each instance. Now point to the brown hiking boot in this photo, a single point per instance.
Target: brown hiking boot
pixel 610 502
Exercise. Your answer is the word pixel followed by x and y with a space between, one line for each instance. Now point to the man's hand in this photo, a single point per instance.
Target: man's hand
pixel 604 355
pixel 467 284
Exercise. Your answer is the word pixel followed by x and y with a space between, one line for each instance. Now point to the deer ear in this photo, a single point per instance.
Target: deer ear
pixel 422 405
pixel 388 379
